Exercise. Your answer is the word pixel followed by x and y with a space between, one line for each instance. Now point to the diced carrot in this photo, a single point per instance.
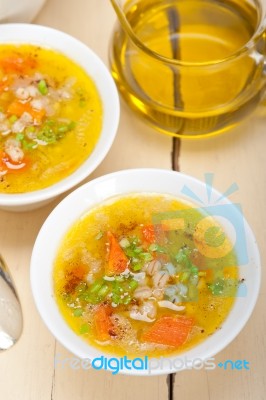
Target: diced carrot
pixel 13 167
pixel 74 276
pixel 198 259
pixel 209 275
pixel 168 330
pixel 3 167
pixel 18 65
pixel 103 325
pixel 37 115
pixel 148 233
pixel 117 260
pixel 17 108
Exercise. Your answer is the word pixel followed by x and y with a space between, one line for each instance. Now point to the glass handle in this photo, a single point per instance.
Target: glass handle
pixel 120 13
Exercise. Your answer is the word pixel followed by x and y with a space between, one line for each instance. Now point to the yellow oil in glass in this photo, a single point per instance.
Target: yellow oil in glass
pixel 204 94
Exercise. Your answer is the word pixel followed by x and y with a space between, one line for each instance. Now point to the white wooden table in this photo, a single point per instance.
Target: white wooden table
pixel 27 370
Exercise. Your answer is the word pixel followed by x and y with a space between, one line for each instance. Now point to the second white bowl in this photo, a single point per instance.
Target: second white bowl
pixel 91 63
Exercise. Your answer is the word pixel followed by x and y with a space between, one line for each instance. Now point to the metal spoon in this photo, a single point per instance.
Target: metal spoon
pixel 11 320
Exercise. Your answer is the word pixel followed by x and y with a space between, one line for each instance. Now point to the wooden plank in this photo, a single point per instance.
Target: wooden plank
pixel 27 371
pixel 98 385
pixel 238 156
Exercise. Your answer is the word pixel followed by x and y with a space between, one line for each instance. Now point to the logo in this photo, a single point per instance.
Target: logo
pixel 123 364
pixel 216 229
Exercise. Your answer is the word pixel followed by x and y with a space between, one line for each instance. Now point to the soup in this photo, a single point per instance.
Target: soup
pixel 50 117
pixel 134 277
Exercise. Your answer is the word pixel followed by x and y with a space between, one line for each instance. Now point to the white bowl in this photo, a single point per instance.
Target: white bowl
pixel 19 10
pixel 91 63
pixel 124 182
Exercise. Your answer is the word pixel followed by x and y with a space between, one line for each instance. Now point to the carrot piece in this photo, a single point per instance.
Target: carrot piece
pixel 209 275
pixel 18 65
pixel 103 325
pixel 9 166
pixel 117 260
pixel 3 167
pixel 148 234
pixel 17 108
pixel 74 276
pixel 198 259
pixel 37 115
pixel 171 331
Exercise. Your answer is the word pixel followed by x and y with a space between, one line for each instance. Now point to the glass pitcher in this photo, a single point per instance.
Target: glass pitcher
pixel 191 68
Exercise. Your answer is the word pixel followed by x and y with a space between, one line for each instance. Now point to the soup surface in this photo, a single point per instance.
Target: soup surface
pixel 50 117
pixel 145 274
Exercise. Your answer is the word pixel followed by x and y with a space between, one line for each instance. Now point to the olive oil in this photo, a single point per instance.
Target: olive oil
pixel 192 74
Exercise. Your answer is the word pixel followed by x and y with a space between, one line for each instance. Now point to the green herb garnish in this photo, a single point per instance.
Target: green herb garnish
pixel 78 312
pixel 84 329
pixel 42 87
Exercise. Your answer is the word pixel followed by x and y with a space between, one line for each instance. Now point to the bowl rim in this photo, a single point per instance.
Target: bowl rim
pixel 210 349
pixel 109 128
